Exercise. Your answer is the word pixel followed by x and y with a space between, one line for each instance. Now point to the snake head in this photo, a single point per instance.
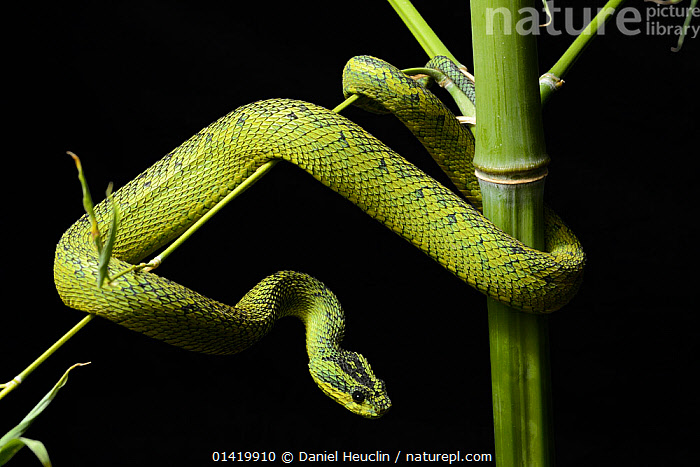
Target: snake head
pixel 347 378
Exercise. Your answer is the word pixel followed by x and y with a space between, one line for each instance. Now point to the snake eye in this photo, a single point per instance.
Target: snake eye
pixel 358 396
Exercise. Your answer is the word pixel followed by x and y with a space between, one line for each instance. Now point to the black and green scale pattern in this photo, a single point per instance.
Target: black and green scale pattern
pixel 158 205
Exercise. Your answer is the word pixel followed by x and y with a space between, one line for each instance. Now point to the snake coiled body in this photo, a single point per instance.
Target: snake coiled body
pixel 158 205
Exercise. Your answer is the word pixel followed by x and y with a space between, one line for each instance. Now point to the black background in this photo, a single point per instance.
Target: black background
pixel 123 84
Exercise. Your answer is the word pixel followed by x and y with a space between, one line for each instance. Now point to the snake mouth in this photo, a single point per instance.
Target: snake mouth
pixel 379 413
pixel 372 411
pixel 371 415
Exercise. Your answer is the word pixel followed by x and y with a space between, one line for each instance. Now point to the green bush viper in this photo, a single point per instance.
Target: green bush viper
pixel 158 205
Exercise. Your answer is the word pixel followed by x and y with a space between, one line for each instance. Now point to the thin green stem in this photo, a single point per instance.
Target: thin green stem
pixel 17 380
pixel 426 37
pixel 583 40
pixel 465 105
pixel 247 183
pixel 436 75
pixel 686 24
pixel 340 107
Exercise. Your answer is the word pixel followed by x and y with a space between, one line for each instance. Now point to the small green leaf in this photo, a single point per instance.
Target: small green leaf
pixel 39 450
pixel 13 441
pixel 87 203
pixel 103 250
pixel 8 450
pixel 686 24
pixel 106 253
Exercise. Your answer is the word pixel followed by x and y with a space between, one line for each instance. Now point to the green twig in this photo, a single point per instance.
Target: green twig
pixel 689 14
pixel 340 107
pixel 17 380
pixel 465 105
pixel 426 37
pixel 583 40
pixel 247 183
pixel 686 24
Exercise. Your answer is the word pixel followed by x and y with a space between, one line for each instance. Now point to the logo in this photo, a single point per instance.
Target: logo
pixel 662 18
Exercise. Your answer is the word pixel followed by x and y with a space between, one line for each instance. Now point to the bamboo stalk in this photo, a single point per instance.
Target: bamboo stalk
pixel 511 161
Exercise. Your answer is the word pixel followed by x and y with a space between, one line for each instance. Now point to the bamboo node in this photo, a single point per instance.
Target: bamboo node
pixel 551 81
pixel 516 179
pixel 468 121
pixel 152 264
pixel 466 73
